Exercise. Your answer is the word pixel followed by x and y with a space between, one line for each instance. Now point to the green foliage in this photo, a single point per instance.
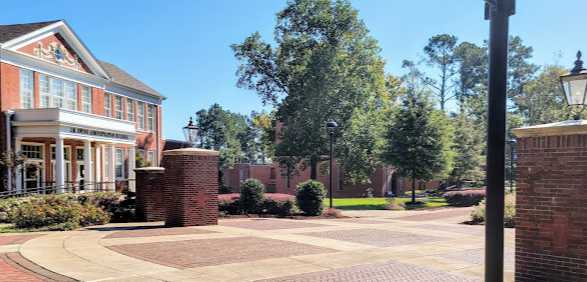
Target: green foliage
pixel 415 141
pixel 251 196
pixel 467 147
pixel 542 100
pixel 56 212
pixel 440 52
pixel 478 214
pixel 277 207
pixel 309 197
pixel 465 198
pixel 140 161
pixel 325 66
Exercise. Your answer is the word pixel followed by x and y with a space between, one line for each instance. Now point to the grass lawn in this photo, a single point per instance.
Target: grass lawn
pixel 381 203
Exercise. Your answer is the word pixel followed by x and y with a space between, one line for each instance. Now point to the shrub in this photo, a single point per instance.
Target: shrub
pixel 56 212
pixel 478 214
pixel 277 207
pixel 309 196
pixel 8 205
pixel 252 194
pixel 229 203
pixel 465 198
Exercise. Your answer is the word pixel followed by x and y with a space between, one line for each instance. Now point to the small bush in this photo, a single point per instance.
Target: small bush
pixel 229 203
pixel 478 214
pixel 252 194
pixel 309 196
pixel 465 198
pixel 56 212
pixel 277 207
pixel 7 206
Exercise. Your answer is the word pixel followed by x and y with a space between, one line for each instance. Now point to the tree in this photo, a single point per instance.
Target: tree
pixel 541 101
pixel 414 144
pixel 472 70
pixel 468 149
pixel 440 52
pixel 325 66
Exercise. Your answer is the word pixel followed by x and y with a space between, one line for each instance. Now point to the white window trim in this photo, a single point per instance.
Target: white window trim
pixel 116 151
pixel 118 107
pixel 29 92
pixel 108 104
pixel 83 100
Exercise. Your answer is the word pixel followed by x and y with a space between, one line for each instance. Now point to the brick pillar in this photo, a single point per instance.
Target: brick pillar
pixel 150 204
pixel 191 187
pixel 551 202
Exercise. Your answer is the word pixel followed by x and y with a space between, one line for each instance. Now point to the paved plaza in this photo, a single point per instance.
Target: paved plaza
pixel 371 246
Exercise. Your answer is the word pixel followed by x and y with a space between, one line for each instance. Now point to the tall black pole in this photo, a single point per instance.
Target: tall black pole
pixel 498 12
pixel 331 166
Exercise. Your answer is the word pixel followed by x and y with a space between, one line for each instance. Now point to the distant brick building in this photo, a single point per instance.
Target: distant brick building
pixel 383 181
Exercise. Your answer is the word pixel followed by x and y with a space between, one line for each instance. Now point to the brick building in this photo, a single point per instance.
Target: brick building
pixel 77 119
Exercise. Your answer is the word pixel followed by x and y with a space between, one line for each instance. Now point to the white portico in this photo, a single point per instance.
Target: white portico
pixel 101 139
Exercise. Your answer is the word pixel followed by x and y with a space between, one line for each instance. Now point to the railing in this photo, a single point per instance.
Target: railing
pixel 75 188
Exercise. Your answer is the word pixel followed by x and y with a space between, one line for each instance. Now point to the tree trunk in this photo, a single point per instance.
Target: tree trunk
pixel 313 168
pixel 413 189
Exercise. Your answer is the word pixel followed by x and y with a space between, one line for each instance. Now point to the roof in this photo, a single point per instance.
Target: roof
pixel 11 31
pixel 120 76
pixel 117 75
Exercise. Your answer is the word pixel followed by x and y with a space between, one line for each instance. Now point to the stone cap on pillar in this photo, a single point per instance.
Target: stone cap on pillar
pixel 154 169
pixel 567 127
pixel 191 152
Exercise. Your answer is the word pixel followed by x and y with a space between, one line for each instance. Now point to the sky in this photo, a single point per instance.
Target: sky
pixel 182 47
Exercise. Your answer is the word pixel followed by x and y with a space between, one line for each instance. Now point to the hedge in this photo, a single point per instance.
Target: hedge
pixel 272 203
pixel 465 198
pixel 309 197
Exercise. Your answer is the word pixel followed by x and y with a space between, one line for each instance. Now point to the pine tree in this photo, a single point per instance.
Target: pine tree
pixel 467 147
pixel 414 141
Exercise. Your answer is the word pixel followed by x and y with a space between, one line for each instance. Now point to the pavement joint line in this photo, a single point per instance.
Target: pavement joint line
pixel 165 238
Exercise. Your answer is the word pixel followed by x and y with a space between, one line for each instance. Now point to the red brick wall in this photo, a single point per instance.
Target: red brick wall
pixel 191 187
pixel 150 204
pixel 10 87
pixel 379 180
pixel 551 219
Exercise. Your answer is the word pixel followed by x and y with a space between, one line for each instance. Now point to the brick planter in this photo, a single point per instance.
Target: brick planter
pixel 150 204
pixel 191 187
pixel 551 202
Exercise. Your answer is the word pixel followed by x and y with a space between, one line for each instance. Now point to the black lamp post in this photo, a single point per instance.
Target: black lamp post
pixel 574 85
pixel 498 12
pixel 331 127
pixel 512 144
pixel 190 132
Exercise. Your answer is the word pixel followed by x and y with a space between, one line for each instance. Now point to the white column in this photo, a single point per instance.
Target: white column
pixel 88 179
pixel 131 168
pixel 98 163
pixel 8 129
pixel 59 165
pixel 17 150
pixel 112 168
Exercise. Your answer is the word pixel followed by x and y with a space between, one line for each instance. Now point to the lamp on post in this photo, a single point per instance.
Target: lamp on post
pixel 512 144
pixel 574 85
pixel 331 127
pixel 190 132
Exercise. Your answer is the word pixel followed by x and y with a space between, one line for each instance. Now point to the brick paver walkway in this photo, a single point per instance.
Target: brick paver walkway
pixel 386 246
pixel 379 272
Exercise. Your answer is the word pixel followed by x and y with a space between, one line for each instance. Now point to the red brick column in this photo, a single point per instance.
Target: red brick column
pixel 191 187
pixel 551 202
pixel 150 204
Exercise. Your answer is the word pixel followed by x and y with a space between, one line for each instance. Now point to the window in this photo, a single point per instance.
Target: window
pixel 151 118
pixel 86 99
pixel 70 90
pixel 108 163
pixel 108 105
pixel 65 153
pixel 56 89
pixel 26 89
pixel 141 115
pixel 32 151
pixel 119 164
pixel 79 154
pixel 130 109
pixel 44 91
pixel 151 158
pixel 118 107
